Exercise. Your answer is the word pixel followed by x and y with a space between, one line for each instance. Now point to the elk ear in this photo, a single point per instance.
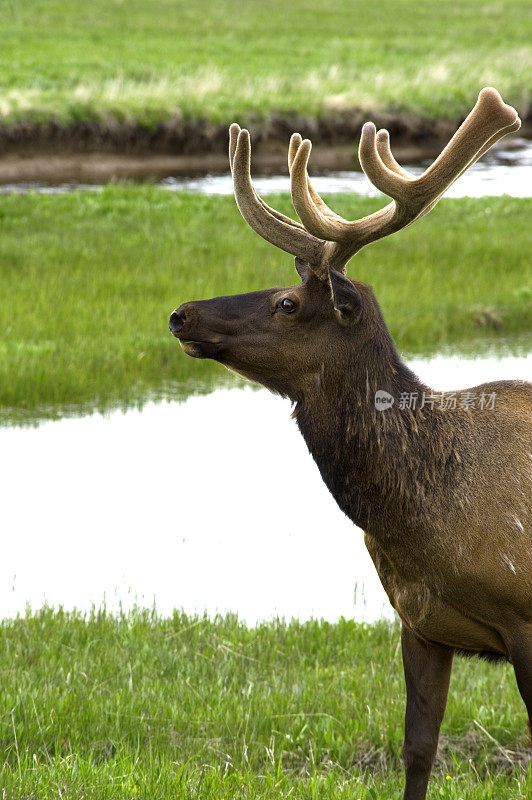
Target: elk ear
pixel 346 298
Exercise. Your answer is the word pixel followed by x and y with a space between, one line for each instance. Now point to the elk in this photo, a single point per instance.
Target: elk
pixel 442 491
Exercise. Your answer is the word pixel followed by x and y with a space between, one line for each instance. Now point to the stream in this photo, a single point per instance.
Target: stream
pixel 506 169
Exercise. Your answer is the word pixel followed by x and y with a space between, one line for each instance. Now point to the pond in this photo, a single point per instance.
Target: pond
pixel 212 504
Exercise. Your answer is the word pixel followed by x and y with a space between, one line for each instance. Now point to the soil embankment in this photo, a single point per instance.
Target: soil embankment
pixel 93 152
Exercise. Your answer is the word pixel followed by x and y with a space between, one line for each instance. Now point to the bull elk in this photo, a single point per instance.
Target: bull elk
pixel 442 492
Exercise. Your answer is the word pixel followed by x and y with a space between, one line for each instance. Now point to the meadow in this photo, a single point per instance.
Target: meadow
pixel 88 282
pixel 145 61
pixel 126 706
pixel 139 706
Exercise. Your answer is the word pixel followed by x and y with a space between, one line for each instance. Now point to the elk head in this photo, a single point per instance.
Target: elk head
pixel 279 337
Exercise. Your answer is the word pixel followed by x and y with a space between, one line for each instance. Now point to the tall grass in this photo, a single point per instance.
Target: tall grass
pixel 190 707
pixel 147 60
pixel 88 282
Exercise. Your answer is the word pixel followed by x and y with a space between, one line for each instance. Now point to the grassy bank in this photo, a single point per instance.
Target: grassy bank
pixel 88 282
pixel 149 707
pixel 148 60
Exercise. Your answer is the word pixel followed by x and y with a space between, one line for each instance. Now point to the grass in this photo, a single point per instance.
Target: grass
pixel 89 280
pixel 147 60
pixel 141 706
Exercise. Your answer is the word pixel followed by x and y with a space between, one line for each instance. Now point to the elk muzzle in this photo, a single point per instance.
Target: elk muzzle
pixel 184 325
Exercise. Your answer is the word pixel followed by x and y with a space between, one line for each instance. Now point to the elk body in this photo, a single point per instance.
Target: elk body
pixel 442 492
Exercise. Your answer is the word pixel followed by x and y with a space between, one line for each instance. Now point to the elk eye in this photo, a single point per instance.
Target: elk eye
pixel 287 305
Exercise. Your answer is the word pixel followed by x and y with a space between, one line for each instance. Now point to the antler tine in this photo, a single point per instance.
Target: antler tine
pixel 382 142
pixel 310 215
pixel 494 139
pixel 234 130
pixel 386 179
pixel 271 225
pixel 293 147
pixel 295 141
pixel 490 119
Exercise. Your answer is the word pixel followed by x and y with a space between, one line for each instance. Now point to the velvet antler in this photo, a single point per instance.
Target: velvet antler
pixel 325 240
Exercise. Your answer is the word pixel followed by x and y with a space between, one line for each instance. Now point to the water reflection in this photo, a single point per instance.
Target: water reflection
pixel 212 504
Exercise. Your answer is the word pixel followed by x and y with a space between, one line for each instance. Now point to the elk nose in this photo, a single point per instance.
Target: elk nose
pixel 177 320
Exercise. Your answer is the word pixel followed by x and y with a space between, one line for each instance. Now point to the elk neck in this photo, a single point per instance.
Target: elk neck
pixel 389 470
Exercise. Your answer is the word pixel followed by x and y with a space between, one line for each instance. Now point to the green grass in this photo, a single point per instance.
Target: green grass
pixel 148 60
pixel 140 706
pixel 88 282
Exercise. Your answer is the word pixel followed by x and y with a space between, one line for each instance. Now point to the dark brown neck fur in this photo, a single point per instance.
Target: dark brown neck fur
pixel 388 470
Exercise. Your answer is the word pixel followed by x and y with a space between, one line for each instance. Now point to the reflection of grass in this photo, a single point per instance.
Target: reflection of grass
pixel 150 59
pixel 88 282
pixel 186 708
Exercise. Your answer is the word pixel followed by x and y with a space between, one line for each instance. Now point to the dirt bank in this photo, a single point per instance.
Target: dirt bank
pixel 94 153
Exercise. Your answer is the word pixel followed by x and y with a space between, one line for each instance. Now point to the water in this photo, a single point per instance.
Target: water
pixel 504 170
pixel 213 504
